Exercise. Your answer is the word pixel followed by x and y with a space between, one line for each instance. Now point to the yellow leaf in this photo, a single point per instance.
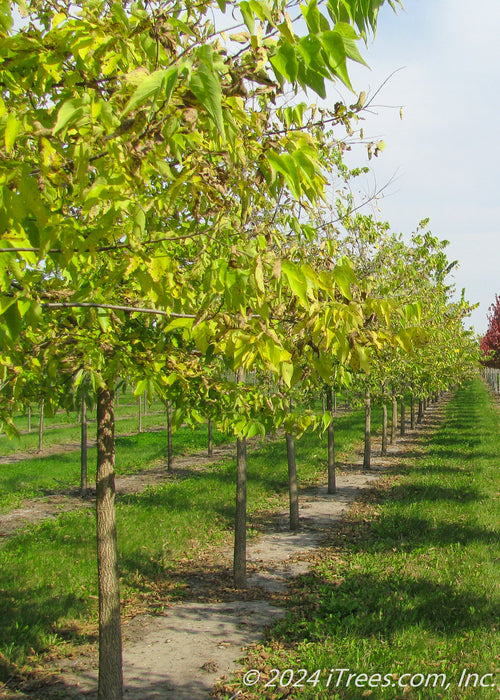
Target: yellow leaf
pixel 58 19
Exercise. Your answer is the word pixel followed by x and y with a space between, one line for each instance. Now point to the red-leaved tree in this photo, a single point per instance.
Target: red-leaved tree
pixel 490 343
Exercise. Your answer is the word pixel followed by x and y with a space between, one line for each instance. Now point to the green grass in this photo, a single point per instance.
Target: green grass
pixel 48 572
pixel 63 427
pixel 411 583
pixel 39 476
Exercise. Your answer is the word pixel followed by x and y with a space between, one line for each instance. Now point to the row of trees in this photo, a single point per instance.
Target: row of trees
pixel 163 219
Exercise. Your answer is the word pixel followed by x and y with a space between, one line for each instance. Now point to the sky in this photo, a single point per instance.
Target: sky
pixel 444 155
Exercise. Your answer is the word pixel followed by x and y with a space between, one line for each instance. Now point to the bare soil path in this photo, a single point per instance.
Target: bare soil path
pixel 181 653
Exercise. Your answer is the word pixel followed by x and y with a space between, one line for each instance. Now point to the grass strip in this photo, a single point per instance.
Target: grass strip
pixel 64 428
pixel 406 596
pixel 41 476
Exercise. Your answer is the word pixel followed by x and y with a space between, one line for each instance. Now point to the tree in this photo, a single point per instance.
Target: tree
pixel 490 342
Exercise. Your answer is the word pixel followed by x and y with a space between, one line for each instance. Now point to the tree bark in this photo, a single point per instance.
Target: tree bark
pixel 110 683
pixel 412 412
pixel 83 448
pixel 402 427
pixel 383 450
pixel 420 414
pixel 210 438
pixel 368 431
pixel 332 486
pixel 292 483
pixel 40 427
pixel 170 452
pixel 240 526
pixel 394 419
pixel 140 414
pixel 29 419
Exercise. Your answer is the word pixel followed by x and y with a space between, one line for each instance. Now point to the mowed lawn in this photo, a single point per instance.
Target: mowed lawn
pixel 406 596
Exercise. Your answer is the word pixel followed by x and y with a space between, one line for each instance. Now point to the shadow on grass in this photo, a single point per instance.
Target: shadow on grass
pixel 413 493
pixel 364 605
pixel 31 619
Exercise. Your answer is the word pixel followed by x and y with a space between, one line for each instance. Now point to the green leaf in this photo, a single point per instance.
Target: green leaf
pixel 333 46
pixel 296 280
pixel 160 81
pixel 286 372
pixel 285 62
pixel 314 19
pixel 363 358
pixel 262 10
pixel 205 84
pixel 141 387
pixel 12 318
pixel 286 165
pixel 71 113
pixel 248 16
pixel 180 323
pixel 12 127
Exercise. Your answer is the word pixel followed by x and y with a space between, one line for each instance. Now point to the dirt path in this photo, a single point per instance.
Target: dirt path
pixel 180 654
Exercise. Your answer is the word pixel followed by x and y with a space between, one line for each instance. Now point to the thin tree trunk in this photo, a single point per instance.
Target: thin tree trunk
pixel 368 431
pixel 29 419
pixel 110 684
pixel 332 486
pixel 210 438
pixel 402 427
pixel 412 412
pixel 383 450
pixel 40 427
pixel 170 452
pixel 394 419
pixel 83 449
pixel 420 414
pixel 292 483
pixel 140 414
pixel 240 527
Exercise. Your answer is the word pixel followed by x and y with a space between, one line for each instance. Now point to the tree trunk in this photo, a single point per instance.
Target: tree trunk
pixel 110 684
pixel 240 527
pixel 83 448
pixel 210 438
pixel 29 419
pixel 420 414
pixel 394 419
pixel 40 427
pixel 332 486
pixel 402 427
pixel 368 431
pixel 412 412
pixel 292 483
pixel 383 450
pixel 170 451
pixel 140 414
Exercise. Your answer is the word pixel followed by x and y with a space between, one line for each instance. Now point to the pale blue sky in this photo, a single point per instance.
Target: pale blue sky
pixel 445 153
